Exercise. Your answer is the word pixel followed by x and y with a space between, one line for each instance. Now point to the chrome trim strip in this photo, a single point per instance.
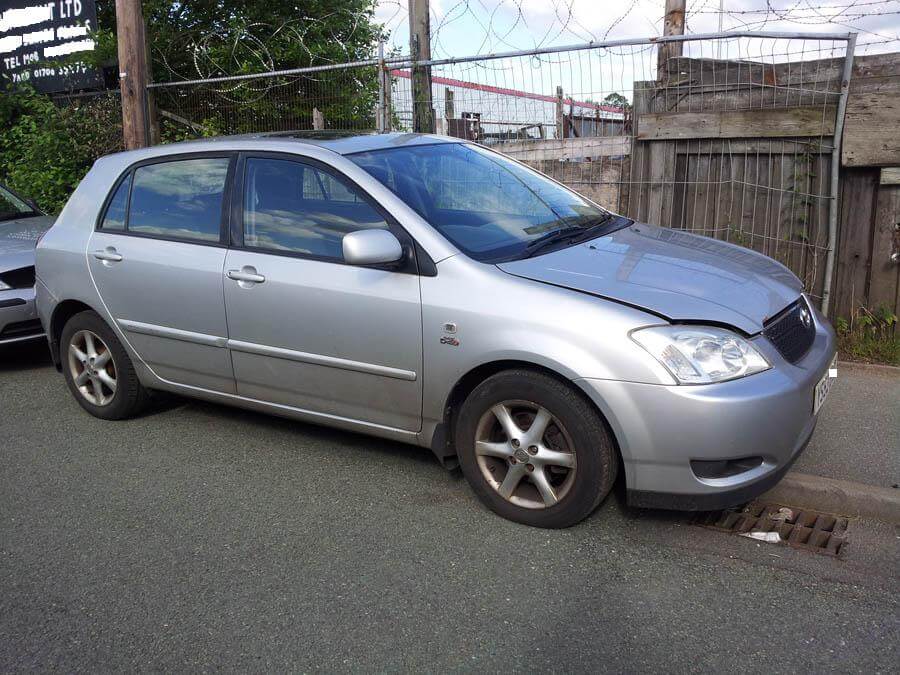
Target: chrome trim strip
pixel 172 333
pixel 332 420
pixel 320 360
pixel 22 338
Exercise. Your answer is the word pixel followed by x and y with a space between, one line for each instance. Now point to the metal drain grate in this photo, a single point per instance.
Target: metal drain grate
pixel 809 530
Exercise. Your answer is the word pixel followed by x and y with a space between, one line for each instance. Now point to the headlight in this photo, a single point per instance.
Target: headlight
pixel 3 286
pixel 701 354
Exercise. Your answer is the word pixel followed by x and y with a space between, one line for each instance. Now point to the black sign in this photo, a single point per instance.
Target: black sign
pixel 40 42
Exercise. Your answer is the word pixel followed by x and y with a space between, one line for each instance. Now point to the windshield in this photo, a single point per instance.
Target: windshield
pixel 489 207
pixel 12 207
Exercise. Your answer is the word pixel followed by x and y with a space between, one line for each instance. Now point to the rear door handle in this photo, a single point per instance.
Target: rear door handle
pixel 246 274
pixel 108 255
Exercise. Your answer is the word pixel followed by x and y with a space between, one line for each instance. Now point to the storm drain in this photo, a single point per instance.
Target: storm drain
pixel 776 524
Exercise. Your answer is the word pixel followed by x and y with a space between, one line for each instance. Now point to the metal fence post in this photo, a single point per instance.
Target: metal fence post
pixel 382 117
pixel 833 206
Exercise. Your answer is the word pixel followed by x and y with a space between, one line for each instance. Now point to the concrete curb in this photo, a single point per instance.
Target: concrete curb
pixel 877 367
pixel 836 496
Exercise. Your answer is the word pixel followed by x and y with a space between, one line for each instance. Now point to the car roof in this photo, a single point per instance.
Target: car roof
pixel 341 142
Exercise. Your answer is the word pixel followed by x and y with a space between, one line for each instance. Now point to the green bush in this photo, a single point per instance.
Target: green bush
pixel 46 149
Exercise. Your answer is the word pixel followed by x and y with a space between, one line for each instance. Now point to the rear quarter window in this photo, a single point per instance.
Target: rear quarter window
pixel 114 218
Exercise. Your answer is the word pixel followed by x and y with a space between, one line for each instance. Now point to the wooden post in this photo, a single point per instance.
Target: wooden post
pixel 673 24
pixel 318 120
pixel 449 112
pixel 153 128
pixel 420 49
pixel 560 114
pixel 132 73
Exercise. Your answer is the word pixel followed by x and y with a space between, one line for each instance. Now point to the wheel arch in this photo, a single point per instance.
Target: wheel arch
pixel 443 442
pixel 63 311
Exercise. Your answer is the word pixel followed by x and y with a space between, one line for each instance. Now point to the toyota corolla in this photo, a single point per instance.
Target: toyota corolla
pixel 435 292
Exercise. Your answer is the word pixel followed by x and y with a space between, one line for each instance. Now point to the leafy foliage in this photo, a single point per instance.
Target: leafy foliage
pixel 618 100
pixel 209 38
pixel 869 335
pixel 45 150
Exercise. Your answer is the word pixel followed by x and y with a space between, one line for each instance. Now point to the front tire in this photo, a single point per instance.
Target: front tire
pixel 534 449
pixel 98 370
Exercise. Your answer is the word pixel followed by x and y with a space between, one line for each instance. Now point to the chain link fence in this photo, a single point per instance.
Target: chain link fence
pixel 732 135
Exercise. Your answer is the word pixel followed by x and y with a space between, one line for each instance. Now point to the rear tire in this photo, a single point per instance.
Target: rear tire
pixel 534 449
pixel 98 370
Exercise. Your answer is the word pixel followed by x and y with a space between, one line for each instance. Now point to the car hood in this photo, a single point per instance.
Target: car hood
pixel 18 239
pixel 680 276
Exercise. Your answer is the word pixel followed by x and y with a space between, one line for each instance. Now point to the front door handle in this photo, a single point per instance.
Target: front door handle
pixel 245 275
pixel 108 255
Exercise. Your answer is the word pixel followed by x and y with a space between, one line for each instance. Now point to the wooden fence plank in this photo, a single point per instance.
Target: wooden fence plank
pixel 884 283
pixel 567 148
pixel 870 131
pixel 873 113
pixel 770 123
pixel 858 195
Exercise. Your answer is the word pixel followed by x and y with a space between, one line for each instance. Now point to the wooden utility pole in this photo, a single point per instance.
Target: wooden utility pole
pixel 673 24
pixel 420 50
pixel 132 72
pixel 560 114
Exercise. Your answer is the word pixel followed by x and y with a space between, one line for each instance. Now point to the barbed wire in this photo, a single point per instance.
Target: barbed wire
pixel 493 25
pixel 498 25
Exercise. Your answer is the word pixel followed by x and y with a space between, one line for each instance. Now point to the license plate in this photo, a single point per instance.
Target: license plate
pixel 824 386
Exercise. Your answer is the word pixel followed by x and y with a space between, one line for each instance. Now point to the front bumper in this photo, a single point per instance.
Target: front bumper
pixel 18 317
pixel 662 429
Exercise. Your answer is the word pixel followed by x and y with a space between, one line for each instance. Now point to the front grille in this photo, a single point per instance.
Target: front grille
pixel 20 278
pixel 792 331
pixel 22 329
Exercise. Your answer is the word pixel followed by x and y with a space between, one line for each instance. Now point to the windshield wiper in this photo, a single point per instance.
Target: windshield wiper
pixel 598 227
pixel 570 233
pixel 552 237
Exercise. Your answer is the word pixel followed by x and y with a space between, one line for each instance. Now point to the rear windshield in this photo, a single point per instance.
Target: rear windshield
pixel 12 207
pixel 489 207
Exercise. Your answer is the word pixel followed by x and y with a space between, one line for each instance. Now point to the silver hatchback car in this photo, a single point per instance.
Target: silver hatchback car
pixel 438 293
pixel 21 225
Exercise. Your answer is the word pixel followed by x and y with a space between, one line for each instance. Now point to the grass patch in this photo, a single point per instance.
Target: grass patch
pixel 869 336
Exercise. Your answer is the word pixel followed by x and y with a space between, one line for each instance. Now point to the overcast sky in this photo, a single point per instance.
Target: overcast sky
pixel 466 27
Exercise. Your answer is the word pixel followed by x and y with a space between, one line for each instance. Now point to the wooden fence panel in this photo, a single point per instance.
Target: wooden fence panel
pixel 858 195
pixel 884 284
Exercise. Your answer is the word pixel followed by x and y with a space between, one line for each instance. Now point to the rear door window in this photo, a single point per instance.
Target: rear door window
pixel 181 199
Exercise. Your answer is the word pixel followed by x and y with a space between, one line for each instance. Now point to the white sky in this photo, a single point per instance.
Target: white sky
pixel 467 27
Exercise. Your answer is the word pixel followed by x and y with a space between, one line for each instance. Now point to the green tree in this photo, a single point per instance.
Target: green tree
pixel 617 100
pixel 206 39
pixel 241 36
pixel 45 149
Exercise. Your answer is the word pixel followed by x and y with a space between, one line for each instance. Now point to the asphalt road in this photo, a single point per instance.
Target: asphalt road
pixel 200 537
pixel 858 434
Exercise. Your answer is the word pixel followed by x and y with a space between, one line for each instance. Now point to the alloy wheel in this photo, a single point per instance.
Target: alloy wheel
pixel 525 453
pixel 92 368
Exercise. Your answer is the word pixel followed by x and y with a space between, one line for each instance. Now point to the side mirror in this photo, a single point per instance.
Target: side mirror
pixel 371 247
